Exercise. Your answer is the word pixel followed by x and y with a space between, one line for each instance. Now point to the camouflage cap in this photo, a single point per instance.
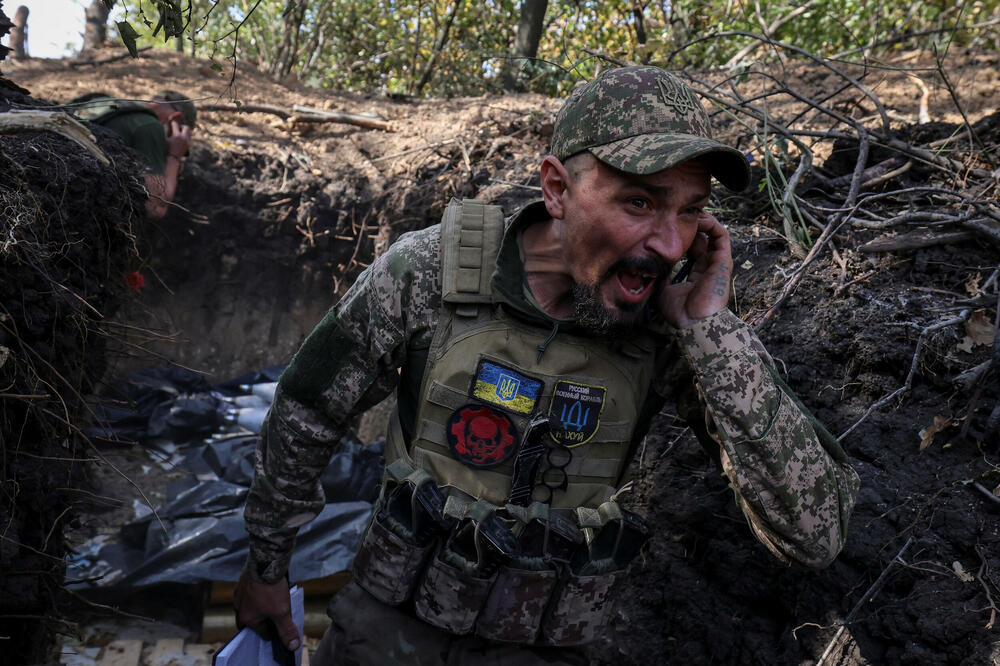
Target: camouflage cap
pixel 643 120
pixel 180 103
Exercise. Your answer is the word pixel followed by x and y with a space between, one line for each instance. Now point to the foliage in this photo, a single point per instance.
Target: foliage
pixel 391 45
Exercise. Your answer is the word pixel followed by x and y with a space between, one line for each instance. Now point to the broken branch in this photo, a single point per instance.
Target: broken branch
pixel 908 384
pixel 106 60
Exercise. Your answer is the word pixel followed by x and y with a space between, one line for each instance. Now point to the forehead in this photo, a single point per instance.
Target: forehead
pixel 693 173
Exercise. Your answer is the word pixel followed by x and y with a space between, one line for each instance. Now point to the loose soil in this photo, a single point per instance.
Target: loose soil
pixel 275 218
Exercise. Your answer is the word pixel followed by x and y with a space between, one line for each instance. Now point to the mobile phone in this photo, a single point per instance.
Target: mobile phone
pixel 685 270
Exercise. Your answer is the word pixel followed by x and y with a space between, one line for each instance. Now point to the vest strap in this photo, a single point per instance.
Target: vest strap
pixel 402 471
pixel 525 514
pixel 470 239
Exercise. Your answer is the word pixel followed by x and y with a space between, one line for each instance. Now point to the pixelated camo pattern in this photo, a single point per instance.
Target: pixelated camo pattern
pixel 388 565
pixel 346 365
pixel 581 610
pixel 450 598
pixel 514 609
pixel 630 101
pixel 789 484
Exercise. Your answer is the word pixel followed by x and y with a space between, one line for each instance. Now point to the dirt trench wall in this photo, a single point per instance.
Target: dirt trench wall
pixel 230 284
pixel 258 248
pixel 66 242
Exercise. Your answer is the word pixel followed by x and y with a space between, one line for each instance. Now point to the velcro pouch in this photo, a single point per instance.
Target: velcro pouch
pixel 581 609
pixel 583 601
pixel 458 579
pixel 450 597
pixel 516 604
pixel 387 565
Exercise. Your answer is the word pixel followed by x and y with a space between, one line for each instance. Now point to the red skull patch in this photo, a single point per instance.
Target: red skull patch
pixel 481 436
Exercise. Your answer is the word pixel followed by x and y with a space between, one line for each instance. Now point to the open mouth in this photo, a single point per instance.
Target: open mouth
pixel 636 282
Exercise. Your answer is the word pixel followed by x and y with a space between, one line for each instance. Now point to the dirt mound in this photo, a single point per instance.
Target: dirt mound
pixel 275 217
pixel 66 244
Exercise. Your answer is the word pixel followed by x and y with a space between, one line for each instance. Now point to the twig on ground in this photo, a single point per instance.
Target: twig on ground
pixel 312 115
pixel 985 491
pixel 915 240
pixel 670 446
pixel 430 146
pixel 246 108
pixel 797 276
pixel 869 593
pixel 991 230
pixel 908 384
pixel 984 571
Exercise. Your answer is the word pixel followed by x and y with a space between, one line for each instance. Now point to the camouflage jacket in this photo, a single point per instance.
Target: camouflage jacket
pixel 789 476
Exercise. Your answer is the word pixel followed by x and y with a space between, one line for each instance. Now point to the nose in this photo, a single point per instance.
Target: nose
pixel 665 239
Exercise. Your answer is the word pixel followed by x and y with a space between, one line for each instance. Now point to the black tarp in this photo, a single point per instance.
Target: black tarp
pixel 198 535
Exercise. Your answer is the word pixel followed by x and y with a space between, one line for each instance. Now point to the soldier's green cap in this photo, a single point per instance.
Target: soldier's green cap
pixel 643 120
pixel 179 102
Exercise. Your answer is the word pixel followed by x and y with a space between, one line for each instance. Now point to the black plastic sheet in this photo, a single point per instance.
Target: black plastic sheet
pixel 199 534
pixel 206 545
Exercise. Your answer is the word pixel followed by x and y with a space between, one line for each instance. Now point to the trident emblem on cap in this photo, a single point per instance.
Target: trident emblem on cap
pixel 676 95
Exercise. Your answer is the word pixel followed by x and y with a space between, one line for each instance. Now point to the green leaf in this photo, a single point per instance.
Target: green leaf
pixel 128 35
pixel 171 18
pixel 216 66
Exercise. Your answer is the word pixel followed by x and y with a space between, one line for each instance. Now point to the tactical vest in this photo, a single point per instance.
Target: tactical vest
pixel 489 380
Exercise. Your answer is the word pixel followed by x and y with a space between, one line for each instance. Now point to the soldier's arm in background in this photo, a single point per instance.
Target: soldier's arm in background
pixel 161 181
pixel 347 364
pixel 790 476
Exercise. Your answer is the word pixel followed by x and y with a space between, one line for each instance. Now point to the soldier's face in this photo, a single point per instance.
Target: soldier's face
pixel 624 233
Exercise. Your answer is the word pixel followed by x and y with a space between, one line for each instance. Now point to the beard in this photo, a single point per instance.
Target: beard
pixel 591 312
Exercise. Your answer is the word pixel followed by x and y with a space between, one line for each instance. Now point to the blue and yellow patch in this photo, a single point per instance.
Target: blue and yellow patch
pixel 500 385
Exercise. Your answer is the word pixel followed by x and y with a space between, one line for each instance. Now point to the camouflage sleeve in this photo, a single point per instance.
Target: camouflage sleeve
pixel 790 476
pixel 346 365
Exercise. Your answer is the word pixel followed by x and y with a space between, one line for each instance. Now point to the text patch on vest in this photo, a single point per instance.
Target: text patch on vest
pixel 575 412
pixel 505 387
pixel 481 436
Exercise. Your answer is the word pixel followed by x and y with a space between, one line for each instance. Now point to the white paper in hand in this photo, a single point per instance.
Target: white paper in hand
pixel 249 649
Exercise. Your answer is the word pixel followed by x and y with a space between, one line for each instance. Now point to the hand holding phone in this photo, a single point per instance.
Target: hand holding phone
pixel 709 268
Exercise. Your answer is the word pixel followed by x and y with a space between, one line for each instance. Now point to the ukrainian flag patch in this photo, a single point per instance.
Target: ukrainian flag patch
pixel 500 385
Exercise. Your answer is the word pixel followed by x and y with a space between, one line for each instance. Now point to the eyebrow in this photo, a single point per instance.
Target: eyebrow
pixel 664 191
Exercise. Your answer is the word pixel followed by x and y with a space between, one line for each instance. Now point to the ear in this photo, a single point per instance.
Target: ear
pixel 555 183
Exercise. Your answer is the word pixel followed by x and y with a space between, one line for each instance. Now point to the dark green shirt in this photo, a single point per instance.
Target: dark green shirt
pixel 142 131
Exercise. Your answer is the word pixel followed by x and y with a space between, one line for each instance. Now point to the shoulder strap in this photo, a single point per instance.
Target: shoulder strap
pixel 100 108
pixel 470 240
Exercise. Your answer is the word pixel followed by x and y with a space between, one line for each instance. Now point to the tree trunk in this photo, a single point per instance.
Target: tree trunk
pixel 316 43
pixel 19 34
pixel 5 26
pixel 442 40
pixel 287 52
pixel 639 22
pixel 95 33
pixel 529 34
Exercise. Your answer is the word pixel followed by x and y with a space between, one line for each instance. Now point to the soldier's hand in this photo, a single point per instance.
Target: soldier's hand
pixel 706 290
pixel 265 608
pixel 178 138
